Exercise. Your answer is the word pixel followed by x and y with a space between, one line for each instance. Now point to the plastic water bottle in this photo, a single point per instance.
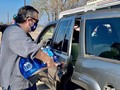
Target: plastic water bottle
pixel 50 53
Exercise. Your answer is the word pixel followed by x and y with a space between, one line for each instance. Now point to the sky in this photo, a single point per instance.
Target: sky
pixel 10 7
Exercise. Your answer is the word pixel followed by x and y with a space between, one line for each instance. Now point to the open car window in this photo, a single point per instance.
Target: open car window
pixel 46 35
pixel 45 40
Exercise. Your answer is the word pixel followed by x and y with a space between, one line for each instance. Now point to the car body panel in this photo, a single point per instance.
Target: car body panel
pixel 92 72
pixel 63 57
pixel 44 75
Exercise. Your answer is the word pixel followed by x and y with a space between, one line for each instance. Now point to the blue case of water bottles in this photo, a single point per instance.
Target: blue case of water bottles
pixel 29 67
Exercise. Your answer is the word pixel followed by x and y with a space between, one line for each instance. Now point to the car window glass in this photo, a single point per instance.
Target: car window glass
pixel 61 40
pixel 66 38
pixel 47 36
pixel 61 31
pixel 102 37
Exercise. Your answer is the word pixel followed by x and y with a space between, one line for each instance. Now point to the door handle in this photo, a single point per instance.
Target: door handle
pixel 109 87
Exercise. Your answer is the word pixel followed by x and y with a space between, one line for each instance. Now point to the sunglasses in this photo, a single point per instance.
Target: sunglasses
pixel 36 20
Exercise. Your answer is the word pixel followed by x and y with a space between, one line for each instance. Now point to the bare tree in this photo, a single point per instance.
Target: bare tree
pixel 50 9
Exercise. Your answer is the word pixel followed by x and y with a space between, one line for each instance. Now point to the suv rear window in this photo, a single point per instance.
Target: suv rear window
pixel 103 37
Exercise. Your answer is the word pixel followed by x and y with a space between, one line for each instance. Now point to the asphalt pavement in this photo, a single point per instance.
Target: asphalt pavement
pixel 40 86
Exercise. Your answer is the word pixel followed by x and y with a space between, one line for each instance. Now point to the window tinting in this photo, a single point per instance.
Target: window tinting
pixel 62 36
pixel 103 37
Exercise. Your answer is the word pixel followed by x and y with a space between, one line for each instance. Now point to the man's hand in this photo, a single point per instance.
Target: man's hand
pixel 50 63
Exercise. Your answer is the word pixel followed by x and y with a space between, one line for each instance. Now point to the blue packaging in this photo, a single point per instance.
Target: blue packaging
pixel 50 53
pixel 29 67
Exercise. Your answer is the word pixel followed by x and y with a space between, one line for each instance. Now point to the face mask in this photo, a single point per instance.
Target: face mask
pixel 34 27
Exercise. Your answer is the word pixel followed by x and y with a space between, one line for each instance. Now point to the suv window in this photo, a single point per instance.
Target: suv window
pixel 103 37
pixel 46 36
pixel 62 36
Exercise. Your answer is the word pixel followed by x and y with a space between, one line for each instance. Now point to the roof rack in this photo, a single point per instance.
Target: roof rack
pixel 90 7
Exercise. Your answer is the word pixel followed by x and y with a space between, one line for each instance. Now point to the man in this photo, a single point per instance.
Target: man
pixel 16 43
pixel 14 17
pixel 76 32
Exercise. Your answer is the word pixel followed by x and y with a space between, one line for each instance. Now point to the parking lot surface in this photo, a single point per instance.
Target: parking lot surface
pixel 40 86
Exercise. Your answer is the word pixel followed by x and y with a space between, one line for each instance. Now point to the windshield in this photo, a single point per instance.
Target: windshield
pixel 103 37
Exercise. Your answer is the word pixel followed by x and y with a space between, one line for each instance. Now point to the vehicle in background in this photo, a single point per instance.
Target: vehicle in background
pixel 3 27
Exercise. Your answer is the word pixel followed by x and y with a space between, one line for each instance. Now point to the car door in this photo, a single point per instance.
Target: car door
pixel 44 39
pixel 61 45
pixel 98 64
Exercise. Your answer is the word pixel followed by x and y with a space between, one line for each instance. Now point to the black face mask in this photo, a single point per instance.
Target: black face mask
pixel 34 27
